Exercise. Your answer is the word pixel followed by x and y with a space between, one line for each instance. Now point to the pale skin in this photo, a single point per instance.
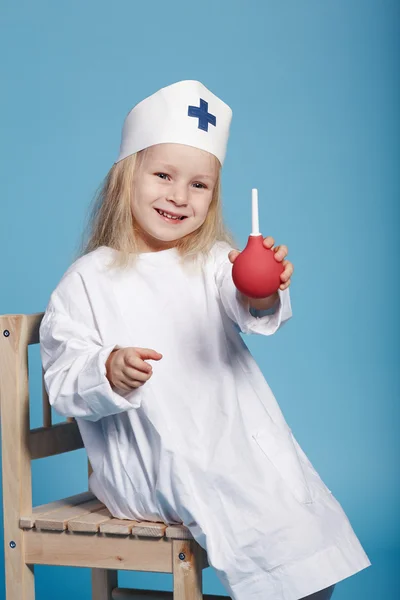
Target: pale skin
pixel 127 369
pixel 179 179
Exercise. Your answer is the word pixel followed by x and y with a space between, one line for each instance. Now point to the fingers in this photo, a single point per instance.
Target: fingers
pixel 140 374
pixel 126 385
pixel 134 378
pixel 148 353
pixel 133 371
pixel 268 241
pixel 134 362
pixel 131 379
pixel 136 357
pixel 287 271
pixel 284 286
pixel 286 275
pixel 233 254
pixel 280 252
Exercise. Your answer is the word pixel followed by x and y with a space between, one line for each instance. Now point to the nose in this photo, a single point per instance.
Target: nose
pixel 178 195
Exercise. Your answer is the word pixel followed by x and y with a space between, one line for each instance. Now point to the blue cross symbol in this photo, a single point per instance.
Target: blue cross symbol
pixel 203 115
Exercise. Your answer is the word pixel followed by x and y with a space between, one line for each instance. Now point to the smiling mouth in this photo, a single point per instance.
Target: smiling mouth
pixel 169 217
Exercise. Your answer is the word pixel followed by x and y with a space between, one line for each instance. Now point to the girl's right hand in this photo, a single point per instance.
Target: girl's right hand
pixel 126 367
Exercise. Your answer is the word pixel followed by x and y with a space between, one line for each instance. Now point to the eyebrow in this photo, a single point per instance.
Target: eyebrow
pixel 171 168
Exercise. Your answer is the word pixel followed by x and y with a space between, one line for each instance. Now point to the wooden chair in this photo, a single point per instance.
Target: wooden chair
pixel 76 531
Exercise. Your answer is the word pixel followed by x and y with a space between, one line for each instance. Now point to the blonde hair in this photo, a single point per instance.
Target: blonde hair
pixel 111 222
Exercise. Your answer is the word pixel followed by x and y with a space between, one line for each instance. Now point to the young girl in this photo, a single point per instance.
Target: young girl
pixel 196 436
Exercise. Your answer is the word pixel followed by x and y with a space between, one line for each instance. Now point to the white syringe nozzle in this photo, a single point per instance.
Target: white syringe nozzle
pixel 254 212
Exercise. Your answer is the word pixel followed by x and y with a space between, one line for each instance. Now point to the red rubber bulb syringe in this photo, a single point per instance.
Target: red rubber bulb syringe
pixel 255 272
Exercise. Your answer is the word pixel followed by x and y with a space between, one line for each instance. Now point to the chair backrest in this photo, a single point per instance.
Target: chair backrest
pixel 20 444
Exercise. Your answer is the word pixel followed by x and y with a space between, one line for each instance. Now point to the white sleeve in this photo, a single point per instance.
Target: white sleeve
pixel 73 357
pixel 248 319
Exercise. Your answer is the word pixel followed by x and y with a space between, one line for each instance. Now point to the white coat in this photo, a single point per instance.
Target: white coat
pixel 203 442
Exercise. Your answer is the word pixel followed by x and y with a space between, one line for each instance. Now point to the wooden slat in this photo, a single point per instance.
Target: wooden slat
pixel 97 551
pixel 60 438
pixel 97 520
pixel 178 532
pixel 32 325
pixel 118 527
pixel 34 321
pixel 149 529
pixel 28 521
pixel 89 523
pixel 57 520
pixel 15 332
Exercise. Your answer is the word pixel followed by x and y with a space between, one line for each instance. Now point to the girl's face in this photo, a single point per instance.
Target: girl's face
pixel 175 179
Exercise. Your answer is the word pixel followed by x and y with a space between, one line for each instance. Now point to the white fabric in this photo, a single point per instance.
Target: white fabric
pixel 204 441
pixel 163 118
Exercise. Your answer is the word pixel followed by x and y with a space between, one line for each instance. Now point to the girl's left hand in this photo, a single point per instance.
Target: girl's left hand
pixel 280 253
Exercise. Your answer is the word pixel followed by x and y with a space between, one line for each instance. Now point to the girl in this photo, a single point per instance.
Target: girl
pixel 197 437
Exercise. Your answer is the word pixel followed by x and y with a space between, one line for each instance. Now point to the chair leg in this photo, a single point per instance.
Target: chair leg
pixel 187 565
pixel 104 581
pixel 20 578
pixel 20 585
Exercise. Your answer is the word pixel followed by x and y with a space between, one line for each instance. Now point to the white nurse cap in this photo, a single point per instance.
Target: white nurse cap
pixel 183 113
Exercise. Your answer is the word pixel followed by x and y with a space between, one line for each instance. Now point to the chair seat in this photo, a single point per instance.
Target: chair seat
pixel 84 513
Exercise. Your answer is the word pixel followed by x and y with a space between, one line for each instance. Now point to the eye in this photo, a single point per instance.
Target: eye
pixel 202 186
pixel 161 175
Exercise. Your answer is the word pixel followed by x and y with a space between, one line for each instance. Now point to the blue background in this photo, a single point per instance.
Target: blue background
pixel 314 88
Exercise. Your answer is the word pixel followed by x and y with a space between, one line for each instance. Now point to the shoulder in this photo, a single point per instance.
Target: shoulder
pixel 90 263
pixel 75 281
pixel 89 267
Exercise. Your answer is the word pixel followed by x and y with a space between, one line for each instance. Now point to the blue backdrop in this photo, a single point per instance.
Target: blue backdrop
pixel 314 88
